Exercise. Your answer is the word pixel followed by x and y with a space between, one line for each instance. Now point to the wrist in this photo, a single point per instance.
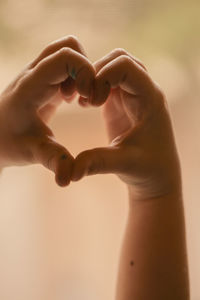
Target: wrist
pixel 168 201
pixel 156 189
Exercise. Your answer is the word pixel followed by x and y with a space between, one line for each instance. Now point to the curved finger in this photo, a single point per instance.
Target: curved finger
pixel 67 92
pixel 99 64
pixel 68 89
pixel 44 80
pixel 55 157
pixel 121 72
pixel 69 41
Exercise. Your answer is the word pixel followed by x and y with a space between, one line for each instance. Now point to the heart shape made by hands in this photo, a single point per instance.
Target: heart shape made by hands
pixel 134 112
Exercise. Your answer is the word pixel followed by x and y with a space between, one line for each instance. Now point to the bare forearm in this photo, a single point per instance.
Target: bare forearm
pixel 153 263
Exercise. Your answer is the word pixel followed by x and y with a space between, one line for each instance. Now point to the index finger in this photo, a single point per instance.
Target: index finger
pixel 99 64
pixel 67 87
pixel 44 79
pixel 121 72
pixel 67 41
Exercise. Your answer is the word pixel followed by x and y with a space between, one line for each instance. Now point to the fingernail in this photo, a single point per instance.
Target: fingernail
pixel 73 73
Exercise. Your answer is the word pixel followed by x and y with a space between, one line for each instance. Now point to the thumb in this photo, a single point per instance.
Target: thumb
pixel 96 161
pixel 54 157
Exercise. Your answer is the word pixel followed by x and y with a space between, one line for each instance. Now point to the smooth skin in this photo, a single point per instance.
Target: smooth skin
pixel 31 99
pixel 141 152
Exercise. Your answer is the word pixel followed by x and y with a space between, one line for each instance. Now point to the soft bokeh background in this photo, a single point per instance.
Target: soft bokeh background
pixel 58 244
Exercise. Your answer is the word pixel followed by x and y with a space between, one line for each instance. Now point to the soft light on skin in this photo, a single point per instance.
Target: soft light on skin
pixel 143 155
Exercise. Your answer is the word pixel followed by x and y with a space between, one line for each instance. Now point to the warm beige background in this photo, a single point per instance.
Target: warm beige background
pixel 58 244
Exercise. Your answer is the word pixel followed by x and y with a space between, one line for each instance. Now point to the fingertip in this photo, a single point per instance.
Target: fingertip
pixel 98 103
pixel 62 181
pixel 63 170
pixel 76 177
pixel 101 93
pixel 68 89
pixel 84 102
pixel 85 81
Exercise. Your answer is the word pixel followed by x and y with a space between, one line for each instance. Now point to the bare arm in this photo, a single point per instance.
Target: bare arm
pixel 142 152
pixel 153 262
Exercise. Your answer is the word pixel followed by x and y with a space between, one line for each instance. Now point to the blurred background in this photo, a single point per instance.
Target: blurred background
pixel 57 243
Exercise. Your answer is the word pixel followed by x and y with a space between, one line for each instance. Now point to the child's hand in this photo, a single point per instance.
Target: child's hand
pixel 142 150
pixel 30 100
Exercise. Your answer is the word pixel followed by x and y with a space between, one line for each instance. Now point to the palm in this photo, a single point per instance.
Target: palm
pixel 117 114
pixel 55 98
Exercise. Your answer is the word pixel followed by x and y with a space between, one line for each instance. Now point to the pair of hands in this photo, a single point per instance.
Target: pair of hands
pixel 142 150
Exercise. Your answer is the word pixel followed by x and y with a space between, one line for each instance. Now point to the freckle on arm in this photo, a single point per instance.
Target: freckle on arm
pixel 132 263
pixel 63 156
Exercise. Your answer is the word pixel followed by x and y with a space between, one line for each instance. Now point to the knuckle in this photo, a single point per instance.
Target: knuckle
pixel 74 43
pixel 119 51
pixel 125 60
pixel 72 40
pixel 65 51
pixel 66 41
pixel 85 71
